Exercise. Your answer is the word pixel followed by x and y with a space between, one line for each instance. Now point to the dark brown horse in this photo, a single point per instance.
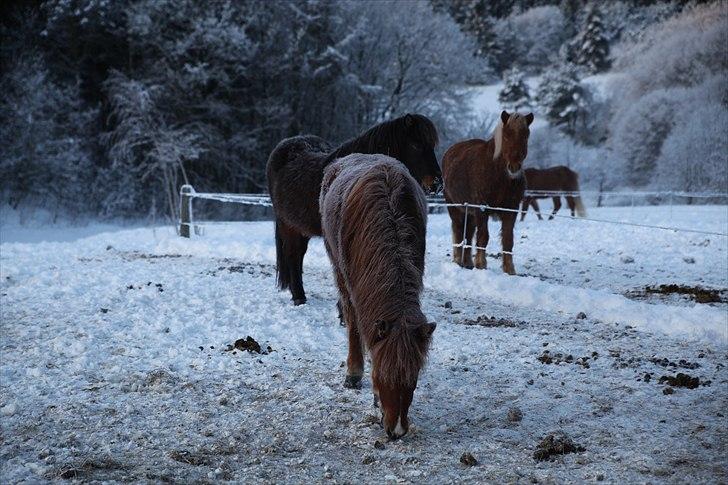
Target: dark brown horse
pixel 550 180
pixel 295 169
pixel 374 216
pixel 487 172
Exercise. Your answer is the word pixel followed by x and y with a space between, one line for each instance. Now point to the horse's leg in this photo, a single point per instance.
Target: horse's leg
pixel 557 206
pixel 508 221
pixel 456 223
pixel 535 206
pixel 481 240
pixel 291 246
pixel 299 296
pixel 355 358
pixel 469 232
pixel 572 205
pixel 524 207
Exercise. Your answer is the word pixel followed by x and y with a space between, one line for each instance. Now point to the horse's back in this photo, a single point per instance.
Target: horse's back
pixel 464 165
pixel 373 212
pixel 555 178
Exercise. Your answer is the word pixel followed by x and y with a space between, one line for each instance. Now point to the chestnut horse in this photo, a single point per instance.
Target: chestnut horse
pixel 374 216
pixel 487 172
pixel 295 169
pixel 553 179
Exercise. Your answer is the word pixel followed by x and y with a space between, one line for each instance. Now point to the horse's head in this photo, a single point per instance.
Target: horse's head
pixel 397 359
pixel 417 151
pixel 511 141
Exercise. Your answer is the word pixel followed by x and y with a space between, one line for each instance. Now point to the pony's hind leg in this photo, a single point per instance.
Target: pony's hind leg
pixel 508 221
pixel 291 247
pixel 481 240
pixel 572 205
pixel 557 206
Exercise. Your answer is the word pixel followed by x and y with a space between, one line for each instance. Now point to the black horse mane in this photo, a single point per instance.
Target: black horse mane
pixel 390 137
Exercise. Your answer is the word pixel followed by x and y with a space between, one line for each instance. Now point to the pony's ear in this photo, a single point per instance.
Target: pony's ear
pixel 429 328
pixel 382 328
pixel 409 120
pixel 505 116
pixel 529 118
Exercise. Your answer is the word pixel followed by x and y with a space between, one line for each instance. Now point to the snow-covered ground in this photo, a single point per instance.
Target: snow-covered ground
pixel 114 362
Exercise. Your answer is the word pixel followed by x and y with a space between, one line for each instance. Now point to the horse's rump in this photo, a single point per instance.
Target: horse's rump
pixel 554 179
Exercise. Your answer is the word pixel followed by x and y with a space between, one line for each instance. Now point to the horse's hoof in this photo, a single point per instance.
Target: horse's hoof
pixel 510 271
pixel 352 382
pixel 299 301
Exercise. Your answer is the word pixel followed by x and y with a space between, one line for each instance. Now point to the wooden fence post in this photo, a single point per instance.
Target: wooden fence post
pixel 185 210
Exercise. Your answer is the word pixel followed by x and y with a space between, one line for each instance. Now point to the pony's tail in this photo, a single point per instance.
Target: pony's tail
pixel 580 209
pixel 283 273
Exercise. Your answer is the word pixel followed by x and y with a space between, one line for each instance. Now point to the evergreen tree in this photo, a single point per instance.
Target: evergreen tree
pixel 590 48
pixel 563 99
pixel 514 95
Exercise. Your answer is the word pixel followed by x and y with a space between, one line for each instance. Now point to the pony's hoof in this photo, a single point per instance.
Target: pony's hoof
pixel 510 271
pixel 299 301
pixel 352 382
pixel 481 264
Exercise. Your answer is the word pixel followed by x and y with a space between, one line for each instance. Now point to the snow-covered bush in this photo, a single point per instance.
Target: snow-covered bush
pixel 514 96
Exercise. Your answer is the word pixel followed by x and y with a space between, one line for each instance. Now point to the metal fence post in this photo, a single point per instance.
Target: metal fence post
pixel 185 210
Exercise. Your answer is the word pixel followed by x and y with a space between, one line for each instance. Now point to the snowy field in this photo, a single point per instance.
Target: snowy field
pixel 114 361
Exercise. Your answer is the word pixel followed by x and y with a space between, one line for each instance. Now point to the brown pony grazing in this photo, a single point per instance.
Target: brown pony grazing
pixel 374 216
pixel 296 167
pixel 487 172
pixel 554 179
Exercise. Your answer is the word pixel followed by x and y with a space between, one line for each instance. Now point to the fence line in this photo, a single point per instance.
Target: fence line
pixel 188 193
pixel 607 221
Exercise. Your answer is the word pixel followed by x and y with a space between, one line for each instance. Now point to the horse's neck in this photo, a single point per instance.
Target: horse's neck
pixel 347 148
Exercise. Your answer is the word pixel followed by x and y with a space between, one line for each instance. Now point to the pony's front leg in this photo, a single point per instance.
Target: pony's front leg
pixel 481 240
pixel 508 221
pixel 534 204
pixel 355 360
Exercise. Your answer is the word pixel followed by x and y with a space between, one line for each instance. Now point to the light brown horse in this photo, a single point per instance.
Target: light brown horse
pixel 374 215
pixel 550 180
pixel 487 172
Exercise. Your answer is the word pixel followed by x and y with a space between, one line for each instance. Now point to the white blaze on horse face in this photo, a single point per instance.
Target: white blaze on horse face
pixel 514 175
pixel 399 430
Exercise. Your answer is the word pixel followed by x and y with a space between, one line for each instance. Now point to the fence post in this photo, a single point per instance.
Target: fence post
pixel 185 210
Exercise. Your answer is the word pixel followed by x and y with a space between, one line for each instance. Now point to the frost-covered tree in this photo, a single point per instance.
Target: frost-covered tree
pixel 531 39
pixel 590 48
pixel 563 99
pixel 514 96
pixel 45 154
pixel 694 156
pixel 678 68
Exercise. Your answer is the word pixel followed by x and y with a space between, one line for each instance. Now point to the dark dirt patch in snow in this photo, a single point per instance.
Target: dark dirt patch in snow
pixel 486 321
pixel 556 444
pixel 249 344
pixel 253 269
pixel 558 358
pixel 697 294
pixel 683 380
pixel 84 468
